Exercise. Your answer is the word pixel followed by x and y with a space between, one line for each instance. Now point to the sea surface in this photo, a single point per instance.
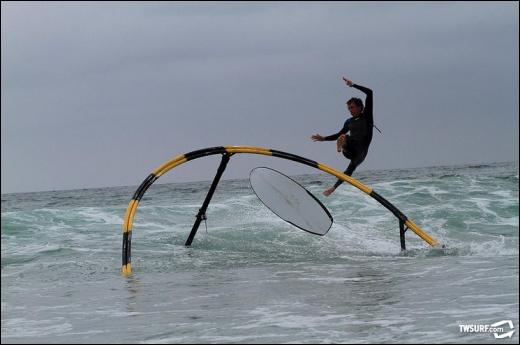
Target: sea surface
pixel 250 277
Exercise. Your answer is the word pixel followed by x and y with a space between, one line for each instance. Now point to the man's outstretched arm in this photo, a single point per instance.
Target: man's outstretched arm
pixel 317 137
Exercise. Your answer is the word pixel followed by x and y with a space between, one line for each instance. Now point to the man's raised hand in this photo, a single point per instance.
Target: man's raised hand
pixel 348 81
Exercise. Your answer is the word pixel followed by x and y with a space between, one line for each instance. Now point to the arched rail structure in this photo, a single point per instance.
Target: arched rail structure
pixel 227 151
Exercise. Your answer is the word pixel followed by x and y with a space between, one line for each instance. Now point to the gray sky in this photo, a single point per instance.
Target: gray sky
pixel 100 94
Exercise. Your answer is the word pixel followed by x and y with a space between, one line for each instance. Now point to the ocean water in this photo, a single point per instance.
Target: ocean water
pixel 250 277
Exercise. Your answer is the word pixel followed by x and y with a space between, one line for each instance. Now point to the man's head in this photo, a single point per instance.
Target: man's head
pixel 355 106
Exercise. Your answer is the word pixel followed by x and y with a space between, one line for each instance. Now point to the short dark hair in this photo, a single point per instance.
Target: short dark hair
pixel 356 101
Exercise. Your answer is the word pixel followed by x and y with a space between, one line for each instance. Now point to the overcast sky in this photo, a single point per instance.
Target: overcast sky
pixel 100 94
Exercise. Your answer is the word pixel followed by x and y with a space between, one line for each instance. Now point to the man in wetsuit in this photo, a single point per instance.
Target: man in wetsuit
pixel 360 125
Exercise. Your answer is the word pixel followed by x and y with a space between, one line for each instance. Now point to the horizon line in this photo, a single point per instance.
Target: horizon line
pixel 230 179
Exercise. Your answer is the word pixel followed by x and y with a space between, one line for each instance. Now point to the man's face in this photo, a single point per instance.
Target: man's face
pixel 354 109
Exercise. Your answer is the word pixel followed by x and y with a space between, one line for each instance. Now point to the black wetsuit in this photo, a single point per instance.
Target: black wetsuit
pixel 356 144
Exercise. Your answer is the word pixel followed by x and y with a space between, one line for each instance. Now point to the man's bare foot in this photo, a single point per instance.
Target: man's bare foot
pixel 340 142
pixel 329 191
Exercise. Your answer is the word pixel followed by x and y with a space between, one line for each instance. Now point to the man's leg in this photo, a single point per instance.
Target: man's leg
pixel 354 162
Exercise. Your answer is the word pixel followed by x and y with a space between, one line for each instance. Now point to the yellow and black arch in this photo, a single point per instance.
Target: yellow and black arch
pixel 230 150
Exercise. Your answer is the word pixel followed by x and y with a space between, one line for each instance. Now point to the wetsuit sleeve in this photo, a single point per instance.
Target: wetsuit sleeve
pixel 344 130
pixel 369 102
pixel 333 136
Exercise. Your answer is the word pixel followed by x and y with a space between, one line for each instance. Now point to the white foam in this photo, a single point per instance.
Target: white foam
pixel 22 327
